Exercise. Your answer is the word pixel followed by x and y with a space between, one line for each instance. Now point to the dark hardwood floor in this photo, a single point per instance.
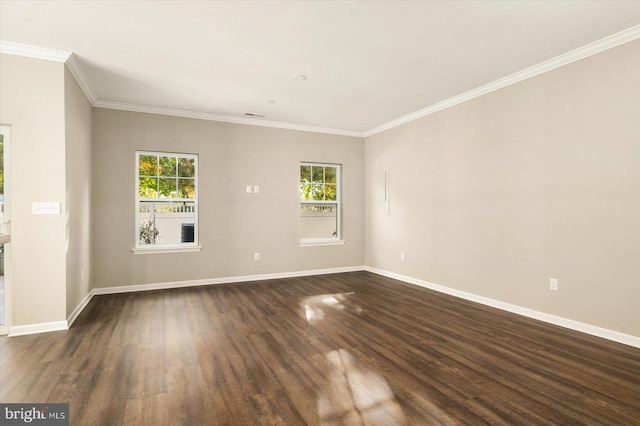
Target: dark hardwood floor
pixel 353 348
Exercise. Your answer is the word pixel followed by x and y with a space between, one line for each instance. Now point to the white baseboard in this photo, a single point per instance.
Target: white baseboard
pixel 4 330
pixel 593 330
pixel 225 280
pixel 22 330
pixel 83 304
pixel 45 327
pixel 530 313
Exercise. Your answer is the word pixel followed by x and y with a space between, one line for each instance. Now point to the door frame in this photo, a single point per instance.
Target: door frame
pixel 5 227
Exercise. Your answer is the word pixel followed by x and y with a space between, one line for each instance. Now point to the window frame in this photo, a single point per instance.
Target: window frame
pixel 170 247
pixel 338 239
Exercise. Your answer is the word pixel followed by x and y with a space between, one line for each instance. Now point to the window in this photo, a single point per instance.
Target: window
pixel 166 201
pixel 320 204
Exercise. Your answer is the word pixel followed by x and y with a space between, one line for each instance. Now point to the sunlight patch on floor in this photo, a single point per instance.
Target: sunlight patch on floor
pixel 314 307
pixel 357 395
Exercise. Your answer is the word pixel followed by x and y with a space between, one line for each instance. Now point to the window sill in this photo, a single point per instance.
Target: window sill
pixel 165 250
pixel 321 242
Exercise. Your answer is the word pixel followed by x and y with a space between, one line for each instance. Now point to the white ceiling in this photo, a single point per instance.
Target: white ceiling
pixel 367 63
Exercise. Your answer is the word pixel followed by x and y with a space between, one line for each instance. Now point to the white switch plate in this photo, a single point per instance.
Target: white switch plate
pixel 256 189
pixel 256 256
pixel 553 284
pixel 248 189
pixel 45 208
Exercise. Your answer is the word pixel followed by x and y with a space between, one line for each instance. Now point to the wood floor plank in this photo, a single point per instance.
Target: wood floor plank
pixel 352 348
pixel 150 410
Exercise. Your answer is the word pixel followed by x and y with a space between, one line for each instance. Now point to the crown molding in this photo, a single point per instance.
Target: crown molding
pixel 72 63
pixel 76 70
pixel 74 67
pixel 68 58
pixel 606 43
pixel 35 52
pixel 222 118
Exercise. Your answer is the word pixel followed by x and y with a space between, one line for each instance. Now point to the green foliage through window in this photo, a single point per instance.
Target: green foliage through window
pixel 318 183
pixel 162 176
pixel 166 200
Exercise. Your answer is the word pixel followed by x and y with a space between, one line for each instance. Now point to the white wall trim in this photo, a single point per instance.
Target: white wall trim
pixel 35 52
pixel 72 63
pixel 76 70
pixel 165 250
pixel 67 58
pixel 45 327
pixel 593 330
pixel 222 118
pixel 4 330
pixel 78 310
pixel 612 41
pixel 225 280
pixel 606 43
pixel 519 310
pixel 22 330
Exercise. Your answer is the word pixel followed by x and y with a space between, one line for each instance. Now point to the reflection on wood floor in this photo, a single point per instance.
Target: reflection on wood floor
pixel 342 349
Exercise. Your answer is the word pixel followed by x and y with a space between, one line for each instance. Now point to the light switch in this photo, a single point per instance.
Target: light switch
pixel 248 189
pixel 45 208
pixel 256 189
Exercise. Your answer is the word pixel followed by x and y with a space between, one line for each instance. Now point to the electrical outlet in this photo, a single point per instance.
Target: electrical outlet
pixel 256 256
pixel 402 257
pixel 553 284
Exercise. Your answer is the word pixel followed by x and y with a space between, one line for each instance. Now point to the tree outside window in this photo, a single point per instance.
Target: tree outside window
pixel 319 202
pixel 166 195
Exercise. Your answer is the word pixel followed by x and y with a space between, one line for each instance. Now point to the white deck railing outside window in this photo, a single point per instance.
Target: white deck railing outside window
pixel 168 218
pixel 318 220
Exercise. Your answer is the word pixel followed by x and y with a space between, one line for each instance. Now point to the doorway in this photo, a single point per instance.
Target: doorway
pixel 5 231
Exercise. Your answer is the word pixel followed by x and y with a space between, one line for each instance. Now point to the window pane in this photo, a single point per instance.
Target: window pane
pixel 148 233
pixel 319 207
pixel 305 191
pixel 148 187
pixel 163 178
pixel 330 174
pixel 330 192
pixel 317 174
pixel 305 173
pixel 186 188
pixel 319 220
pixel 317 191
pixel 167 166
pixel 148 165
pixel 166 222
pixel 187 167
pixel 167 187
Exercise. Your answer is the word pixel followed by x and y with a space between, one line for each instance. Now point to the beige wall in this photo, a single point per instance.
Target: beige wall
pixel 78 117
pixel 233 224
pixel 492 197
pixel 537 180
pixel 32 103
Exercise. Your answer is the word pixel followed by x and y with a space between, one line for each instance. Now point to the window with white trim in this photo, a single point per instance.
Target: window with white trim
pixel 166 200
pixel 320 203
